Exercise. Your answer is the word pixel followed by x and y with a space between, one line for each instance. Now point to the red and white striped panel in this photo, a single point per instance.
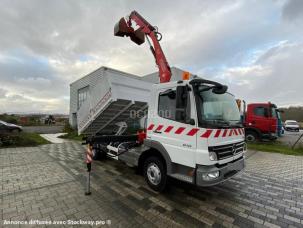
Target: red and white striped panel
pixel 208 133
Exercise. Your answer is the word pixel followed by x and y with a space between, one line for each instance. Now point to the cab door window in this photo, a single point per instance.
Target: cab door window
pixel 171 106
pixel 167 104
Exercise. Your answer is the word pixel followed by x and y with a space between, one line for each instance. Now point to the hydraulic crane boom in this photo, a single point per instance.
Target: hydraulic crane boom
pixel 124 28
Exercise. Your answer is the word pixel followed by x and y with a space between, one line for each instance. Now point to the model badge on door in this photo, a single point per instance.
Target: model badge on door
pixel 186 145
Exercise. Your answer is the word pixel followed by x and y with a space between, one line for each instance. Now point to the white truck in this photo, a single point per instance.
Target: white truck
pixel 191 130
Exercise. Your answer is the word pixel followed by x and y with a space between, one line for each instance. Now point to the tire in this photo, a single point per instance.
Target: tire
pixel 251 136
pixel 155 174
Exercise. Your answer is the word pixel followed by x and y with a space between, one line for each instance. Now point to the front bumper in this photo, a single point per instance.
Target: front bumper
pixel 225 172
pixel 292 128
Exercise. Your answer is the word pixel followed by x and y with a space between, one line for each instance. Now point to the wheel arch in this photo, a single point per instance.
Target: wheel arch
pixel 254 130
pixel 157 150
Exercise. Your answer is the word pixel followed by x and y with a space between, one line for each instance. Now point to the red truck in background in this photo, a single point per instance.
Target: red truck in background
pixel 260 120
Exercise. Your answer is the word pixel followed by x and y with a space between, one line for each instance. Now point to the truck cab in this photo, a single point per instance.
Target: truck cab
pixel 261 121
pixel 196 129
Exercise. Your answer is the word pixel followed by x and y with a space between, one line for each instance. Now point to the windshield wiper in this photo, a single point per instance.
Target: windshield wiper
pixel 224 123
pixel 218 122
pixel 237 124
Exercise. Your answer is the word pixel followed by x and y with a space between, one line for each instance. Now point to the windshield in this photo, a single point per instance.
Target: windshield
pixel 217 110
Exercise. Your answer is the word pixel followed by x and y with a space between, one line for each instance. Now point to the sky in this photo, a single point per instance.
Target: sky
pixel 255 47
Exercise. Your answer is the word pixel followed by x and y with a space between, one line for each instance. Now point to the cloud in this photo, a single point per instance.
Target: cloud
pixel 23 104
pixel 46 45
pixel 23 73
pixel 293 10
pixel 2 93
pixel 275 76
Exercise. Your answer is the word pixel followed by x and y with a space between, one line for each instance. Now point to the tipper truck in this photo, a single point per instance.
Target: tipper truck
pixel 191 129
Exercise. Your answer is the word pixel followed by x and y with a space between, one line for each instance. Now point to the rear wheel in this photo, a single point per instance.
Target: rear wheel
pixel 155 173
pixel 251 136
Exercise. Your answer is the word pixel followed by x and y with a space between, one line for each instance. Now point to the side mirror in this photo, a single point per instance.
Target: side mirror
pixel 266 114
pixel 170 93
pixel 220 89
pixel 191 122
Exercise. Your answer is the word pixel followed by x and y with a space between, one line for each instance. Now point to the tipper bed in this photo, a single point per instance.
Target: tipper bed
pixel 113 98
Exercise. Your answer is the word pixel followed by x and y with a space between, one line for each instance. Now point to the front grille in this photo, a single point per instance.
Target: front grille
pixel 228 150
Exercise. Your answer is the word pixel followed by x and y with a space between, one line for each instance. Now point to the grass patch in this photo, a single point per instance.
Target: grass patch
pixel 22 139
pixel 275 147
pixel 71 133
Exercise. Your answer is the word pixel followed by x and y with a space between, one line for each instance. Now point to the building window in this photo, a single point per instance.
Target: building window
pixel 82 95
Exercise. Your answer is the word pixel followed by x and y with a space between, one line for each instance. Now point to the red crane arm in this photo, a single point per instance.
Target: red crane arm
pixel 124 28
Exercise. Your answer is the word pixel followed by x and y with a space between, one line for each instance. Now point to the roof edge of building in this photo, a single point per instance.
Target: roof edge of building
pixel 106 68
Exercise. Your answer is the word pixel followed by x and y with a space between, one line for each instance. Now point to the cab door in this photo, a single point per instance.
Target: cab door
pixel 260 118
pixel 173 124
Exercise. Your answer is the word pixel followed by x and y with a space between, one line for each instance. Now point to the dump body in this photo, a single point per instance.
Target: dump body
pixel 113 98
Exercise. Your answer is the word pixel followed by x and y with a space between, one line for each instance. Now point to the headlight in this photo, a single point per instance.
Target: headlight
pixel 210 176
pixel 212 156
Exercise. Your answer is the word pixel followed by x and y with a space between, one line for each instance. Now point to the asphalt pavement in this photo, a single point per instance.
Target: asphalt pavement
pixel 290 137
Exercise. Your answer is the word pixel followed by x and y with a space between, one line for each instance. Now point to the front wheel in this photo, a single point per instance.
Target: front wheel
pixel 251 136
pixel 155 173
